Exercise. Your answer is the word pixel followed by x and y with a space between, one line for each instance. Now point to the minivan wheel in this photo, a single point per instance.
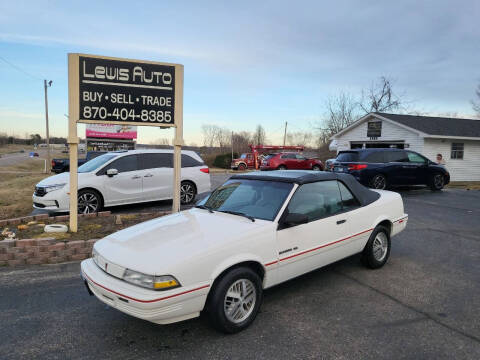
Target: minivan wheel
pixel 437 182
pixel 89 201
pixel 379 182
pixel 187 192
pixel 282 167
pixel 235 300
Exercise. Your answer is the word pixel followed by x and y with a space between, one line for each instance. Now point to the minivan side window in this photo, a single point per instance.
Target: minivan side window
pixel 415 158
pixel 188 161
pixel 155 160
pixel 376 157
pixel 124 164
pixel 396 156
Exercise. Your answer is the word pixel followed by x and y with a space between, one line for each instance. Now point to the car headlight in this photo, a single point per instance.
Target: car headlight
pixel 54 187
pixel 164 282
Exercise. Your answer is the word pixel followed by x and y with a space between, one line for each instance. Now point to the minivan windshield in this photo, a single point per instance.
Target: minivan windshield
pixel 256 198
pixel 96 163
pixel 347 156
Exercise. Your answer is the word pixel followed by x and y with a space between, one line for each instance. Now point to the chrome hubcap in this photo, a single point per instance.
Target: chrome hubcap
pixel 187 193
pixel 380 246
pixel 379 182
pixel 87 203
pixel 438 181
pixel 240 300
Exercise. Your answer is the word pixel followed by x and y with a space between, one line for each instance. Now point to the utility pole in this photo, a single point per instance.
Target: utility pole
pixel 285 134
pixel 47 168
pixel 232 145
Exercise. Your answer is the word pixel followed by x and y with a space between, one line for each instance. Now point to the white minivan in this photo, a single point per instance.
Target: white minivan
pixel 124 177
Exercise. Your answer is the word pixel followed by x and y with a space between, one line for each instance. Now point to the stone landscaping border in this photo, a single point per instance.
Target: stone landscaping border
pixel 39 251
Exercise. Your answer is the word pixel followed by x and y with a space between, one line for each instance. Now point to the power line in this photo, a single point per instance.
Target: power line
pixel 19 69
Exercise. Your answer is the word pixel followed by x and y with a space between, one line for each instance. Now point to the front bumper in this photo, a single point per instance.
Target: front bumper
pixel 56 201
pixel 160 307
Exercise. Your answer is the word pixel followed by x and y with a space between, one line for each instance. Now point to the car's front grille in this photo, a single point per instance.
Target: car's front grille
pixel 40 191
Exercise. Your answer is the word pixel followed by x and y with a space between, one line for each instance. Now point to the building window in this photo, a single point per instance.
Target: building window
pixel 457 151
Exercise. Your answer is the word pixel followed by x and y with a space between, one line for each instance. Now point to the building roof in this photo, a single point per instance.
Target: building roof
pixel 439 126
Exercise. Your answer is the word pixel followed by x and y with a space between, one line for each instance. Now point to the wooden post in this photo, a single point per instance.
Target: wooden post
pixel 178 140
pixel 73 137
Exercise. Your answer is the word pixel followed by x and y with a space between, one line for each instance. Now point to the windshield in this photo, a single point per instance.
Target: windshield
pixel 95 163
pixel 257 198
pixel 243 156
pixel 269 156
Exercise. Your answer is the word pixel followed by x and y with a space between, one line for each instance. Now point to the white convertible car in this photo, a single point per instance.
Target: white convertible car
pixel 253 232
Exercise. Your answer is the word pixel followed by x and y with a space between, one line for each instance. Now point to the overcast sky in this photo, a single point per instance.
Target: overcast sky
pixel 248 62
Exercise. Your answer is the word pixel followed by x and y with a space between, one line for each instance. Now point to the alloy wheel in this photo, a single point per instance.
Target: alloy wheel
pixel 187 193
pixel 240 300
pixel 87 203
pixel 379 182
pixel 438 181
pixel 380 246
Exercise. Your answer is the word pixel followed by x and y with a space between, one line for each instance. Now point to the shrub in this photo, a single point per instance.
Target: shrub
pixel 224 160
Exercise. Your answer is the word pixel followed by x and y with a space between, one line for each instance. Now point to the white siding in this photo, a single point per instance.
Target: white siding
pixel 466 169
pixel 390 132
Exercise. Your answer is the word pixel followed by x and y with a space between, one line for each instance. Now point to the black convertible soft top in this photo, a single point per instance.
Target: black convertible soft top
pixel 363 194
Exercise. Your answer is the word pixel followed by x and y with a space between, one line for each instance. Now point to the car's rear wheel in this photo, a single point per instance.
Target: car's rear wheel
pixel 235 300
pixel 187 192
pixel 316 168
pixel 377 251
pixel 89 201
pixel 242 167
pixel 379 182
pixel 282 167
pixel 437 182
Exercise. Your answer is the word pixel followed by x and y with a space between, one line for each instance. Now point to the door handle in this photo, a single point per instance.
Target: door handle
pixel 341 221
pixel 136 177
pixel 148 175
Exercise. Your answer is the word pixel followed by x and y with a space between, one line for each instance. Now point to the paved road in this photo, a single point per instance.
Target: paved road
pixel 422 305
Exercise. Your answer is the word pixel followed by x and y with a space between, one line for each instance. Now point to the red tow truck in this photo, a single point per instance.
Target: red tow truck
pixel 254 159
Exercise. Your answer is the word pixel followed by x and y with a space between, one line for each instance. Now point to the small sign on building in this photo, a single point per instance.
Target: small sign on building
pixel 374 129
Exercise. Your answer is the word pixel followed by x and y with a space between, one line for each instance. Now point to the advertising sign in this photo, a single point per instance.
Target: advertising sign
pixel 109 131
pixel 121 91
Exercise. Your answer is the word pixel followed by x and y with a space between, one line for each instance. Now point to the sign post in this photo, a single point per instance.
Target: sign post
pixel 106 90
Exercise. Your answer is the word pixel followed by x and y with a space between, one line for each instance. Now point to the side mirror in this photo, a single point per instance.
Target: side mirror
pixel 112 172
pixel 293 219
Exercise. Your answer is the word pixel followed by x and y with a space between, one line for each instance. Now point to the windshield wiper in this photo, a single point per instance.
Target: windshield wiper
pixel 204 208
pixel 238 213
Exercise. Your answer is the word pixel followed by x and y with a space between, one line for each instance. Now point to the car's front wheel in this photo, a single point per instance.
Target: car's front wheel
pixel 379 182
pixel 235 300
pixel 282 167
pixel 187 192
pixel 437 182
pixel 316 168
pixel 376 252
pixel 89 201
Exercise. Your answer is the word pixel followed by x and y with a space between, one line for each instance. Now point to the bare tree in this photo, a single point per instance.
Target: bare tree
pixel 259 136
pixel 476 103
pixel 299 138
pixel 215 136
pixel 241 141
pixel 380 97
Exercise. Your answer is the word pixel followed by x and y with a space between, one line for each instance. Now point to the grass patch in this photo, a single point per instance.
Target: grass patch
pixel 88 228
pixel 28 165
pixel 16 194
pixel 14 148
pixel 468 185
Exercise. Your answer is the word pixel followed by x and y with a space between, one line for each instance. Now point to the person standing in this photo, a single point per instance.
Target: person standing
pixel 440 160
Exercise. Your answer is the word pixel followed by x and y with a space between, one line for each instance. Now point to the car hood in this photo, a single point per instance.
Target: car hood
pixel 62 178
pixel 157 246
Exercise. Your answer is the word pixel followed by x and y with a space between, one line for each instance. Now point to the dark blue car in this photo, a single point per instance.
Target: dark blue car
pixel 381 168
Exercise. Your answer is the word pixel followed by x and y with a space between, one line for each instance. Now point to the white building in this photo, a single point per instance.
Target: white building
pixel 458 140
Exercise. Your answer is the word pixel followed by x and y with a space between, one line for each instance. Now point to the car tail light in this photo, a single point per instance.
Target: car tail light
pixel 205 170
pixel 53 163
pixel 357 166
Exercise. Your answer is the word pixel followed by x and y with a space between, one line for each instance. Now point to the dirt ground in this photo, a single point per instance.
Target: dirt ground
pixel 88 228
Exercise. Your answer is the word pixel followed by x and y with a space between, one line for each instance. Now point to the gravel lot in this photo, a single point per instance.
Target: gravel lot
pixel 422 305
